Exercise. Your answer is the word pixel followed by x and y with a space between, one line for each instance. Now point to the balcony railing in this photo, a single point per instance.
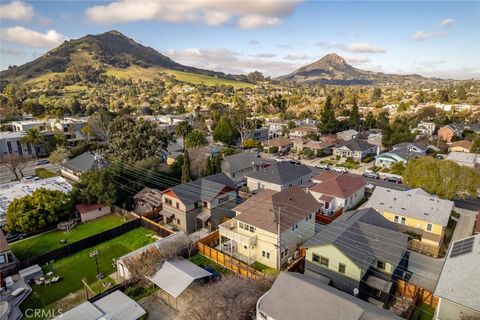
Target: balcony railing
pixel 229 230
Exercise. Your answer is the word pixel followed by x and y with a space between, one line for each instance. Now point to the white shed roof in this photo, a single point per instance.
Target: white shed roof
pixel 176 275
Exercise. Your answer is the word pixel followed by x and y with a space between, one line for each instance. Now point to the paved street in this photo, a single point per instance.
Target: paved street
pixel 6 175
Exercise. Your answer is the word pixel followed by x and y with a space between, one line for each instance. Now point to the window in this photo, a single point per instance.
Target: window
pixel 327 204
pixel 265 254
pixel 168 201
pixel 310 216
pixel 3 259
pixel 341 268
pixel 245 247
pixel 295 226
pixel 377 293
pixel 9 146
pixel 403 220
pixel 268 255
pixel 223 199
pixel 177 205
pixel 396 219
pixel 240 225
pixel 252 229
pixel 19 147
pixel 315 258
pixel 381 265
pixel 178 221
pixel 429 227
pixel 324 261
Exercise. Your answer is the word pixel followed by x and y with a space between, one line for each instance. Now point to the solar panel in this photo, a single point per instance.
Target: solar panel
pixel 462 247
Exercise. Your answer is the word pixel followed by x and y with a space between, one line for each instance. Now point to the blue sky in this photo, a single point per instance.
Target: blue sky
pixel 275 37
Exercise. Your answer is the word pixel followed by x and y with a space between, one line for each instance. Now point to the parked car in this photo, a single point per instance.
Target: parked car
pixel 322 166
pixel 30 178
pixel 43 161
pixel 339 169
pixel 295 162
pixel 371 175
pixel 369 186
pixel 14 236
pixel 215 274
pixel 281 160
pixel 393 179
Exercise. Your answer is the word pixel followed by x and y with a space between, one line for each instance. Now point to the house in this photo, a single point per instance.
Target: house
pixel 24 125
pixel 460 146
pixel 450 131
pixel 347 135
pixel 147 200
pixel 355 149
pixel 467 159
pixel 269 226
pixel 11 144
pixel 458 288
pixel 337 191
pixel 92 211
pixel 202 203
pixel 73 168
pixel 415 210
pixel 283 144
pixel 425 128
pixel 375 138
pixel 7 259
pixel 401 152
pixel 236 166
pixel 260 134
pixel 116 305
pixel 359 253
pixel 279 176
pixel 301 297
pixel 318 147
pixel 303 131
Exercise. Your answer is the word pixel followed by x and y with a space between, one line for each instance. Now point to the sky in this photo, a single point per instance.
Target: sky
pixel 275 37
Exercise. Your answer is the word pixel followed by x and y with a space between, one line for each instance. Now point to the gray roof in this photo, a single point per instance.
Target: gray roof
pixel 408 150
pixel 364 236
pixel 239 161
pixel 355 145
pixel 464 157
pixel 281 173
pixel 84 162
pixel 414 203
pixel 204 189
pixel 459 281
pixel 176 275
pixel 425 270
pixel 298 296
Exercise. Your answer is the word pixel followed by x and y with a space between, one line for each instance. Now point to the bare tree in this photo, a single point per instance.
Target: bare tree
pixel 14 162
pixel 231 298
pixel 242 124
pixel 98 124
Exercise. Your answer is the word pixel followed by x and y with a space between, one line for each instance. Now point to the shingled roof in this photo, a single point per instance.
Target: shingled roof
pixel 281 173
pixel 355 145
pixel 337 185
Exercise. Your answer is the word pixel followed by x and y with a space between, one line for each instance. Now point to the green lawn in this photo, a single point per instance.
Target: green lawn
pixel 423 312
pixel 44 173
pixel 202 261
pixel 348 165
pixel 51 240
pixel 72 269
pixel 264 269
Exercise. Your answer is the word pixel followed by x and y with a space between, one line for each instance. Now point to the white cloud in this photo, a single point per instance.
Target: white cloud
pixel 296 56
pixel 364 47
pixel 31 38
pixel 448 22
pixel 422 35
pixel 357 59
pixel 247 14
pixel 228 61
pixel 264 55
pixel 16 10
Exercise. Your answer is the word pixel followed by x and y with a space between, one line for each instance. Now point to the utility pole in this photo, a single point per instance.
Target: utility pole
pixel 277 221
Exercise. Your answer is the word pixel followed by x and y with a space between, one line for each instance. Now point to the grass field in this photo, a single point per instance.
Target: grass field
pixel 202 261
pixel 136 73
pixel 72 269
pixel 423 312
pixel 51 240
pixel 44 173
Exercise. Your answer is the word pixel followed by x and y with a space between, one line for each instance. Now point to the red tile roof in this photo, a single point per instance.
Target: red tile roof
pixel 337 185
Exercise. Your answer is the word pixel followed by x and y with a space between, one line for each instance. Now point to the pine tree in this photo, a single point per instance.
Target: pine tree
pixel 328 122
pixel 186 168
pixel 354 120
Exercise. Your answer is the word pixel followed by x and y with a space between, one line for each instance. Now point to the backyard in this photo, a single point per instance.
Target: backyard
pixel 51 240
pixel 78 266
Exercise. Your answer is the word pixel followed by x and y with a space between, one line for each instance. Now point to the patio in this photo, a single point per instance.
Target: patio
pixel 11 298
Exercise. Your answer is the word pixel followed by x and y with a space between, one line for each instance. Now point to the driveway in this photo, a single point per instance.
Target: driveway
pixel 157 308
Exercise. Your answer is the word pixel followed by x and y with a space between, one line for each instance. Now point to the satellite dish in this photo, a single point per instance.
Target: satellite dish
pixel 355 292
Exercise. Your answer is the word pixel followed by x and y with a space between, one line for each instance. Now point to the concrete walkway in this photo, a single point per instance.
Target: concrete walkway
pixel 464 225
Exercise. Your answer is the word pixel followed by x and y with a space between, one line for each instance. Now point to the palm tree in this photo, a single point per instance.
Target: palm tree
pixel 33 137
pixel 183 129
pixel 195 139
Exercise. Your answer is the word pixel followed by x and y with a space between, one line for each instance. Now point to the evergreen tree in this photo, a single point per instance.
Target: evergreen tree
pixel 369 121
pixel 225 132
pixel 328 122
pixel 354 120
pixel 186 168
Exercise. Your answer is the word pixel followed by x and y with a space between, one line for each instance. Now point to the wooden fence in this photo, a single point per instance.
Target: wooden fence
pixel 233 264
pixel 158 228
pixel 321 218
pixel 416 293
pixel 422 247
pixel 79 245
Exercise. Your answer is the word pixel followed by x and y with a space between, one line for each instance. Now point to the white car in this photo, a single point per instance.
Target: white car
pixel 369 186
pixel 322 166
pixel 339 169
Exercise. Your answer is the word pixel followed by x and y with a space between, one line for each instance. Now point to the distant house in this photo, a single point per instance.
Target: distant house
pixel 455 130
pixel 301 297
pixel 355 149
pixel 303 131
pixel 116 305
pixel 92 211
pixel 401 152
pixel 460 146
pixel 376 139
pixel 283 144
pixel 202 203
pixel 73 168
pixel 266 219
pixel 347 135
pixel 236 166
pixel 415 210
pixel 362 252
pixel 147 200
pixel 425 128
pixel 467 159
pixel 260 134
pixel 318 147
pixel 7 259
pixel 279 176
pixel 337 191
pixel 459 285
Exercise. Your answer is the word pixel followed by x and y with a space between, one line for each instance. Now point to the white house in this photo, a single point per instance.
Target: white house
pixel 279 176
